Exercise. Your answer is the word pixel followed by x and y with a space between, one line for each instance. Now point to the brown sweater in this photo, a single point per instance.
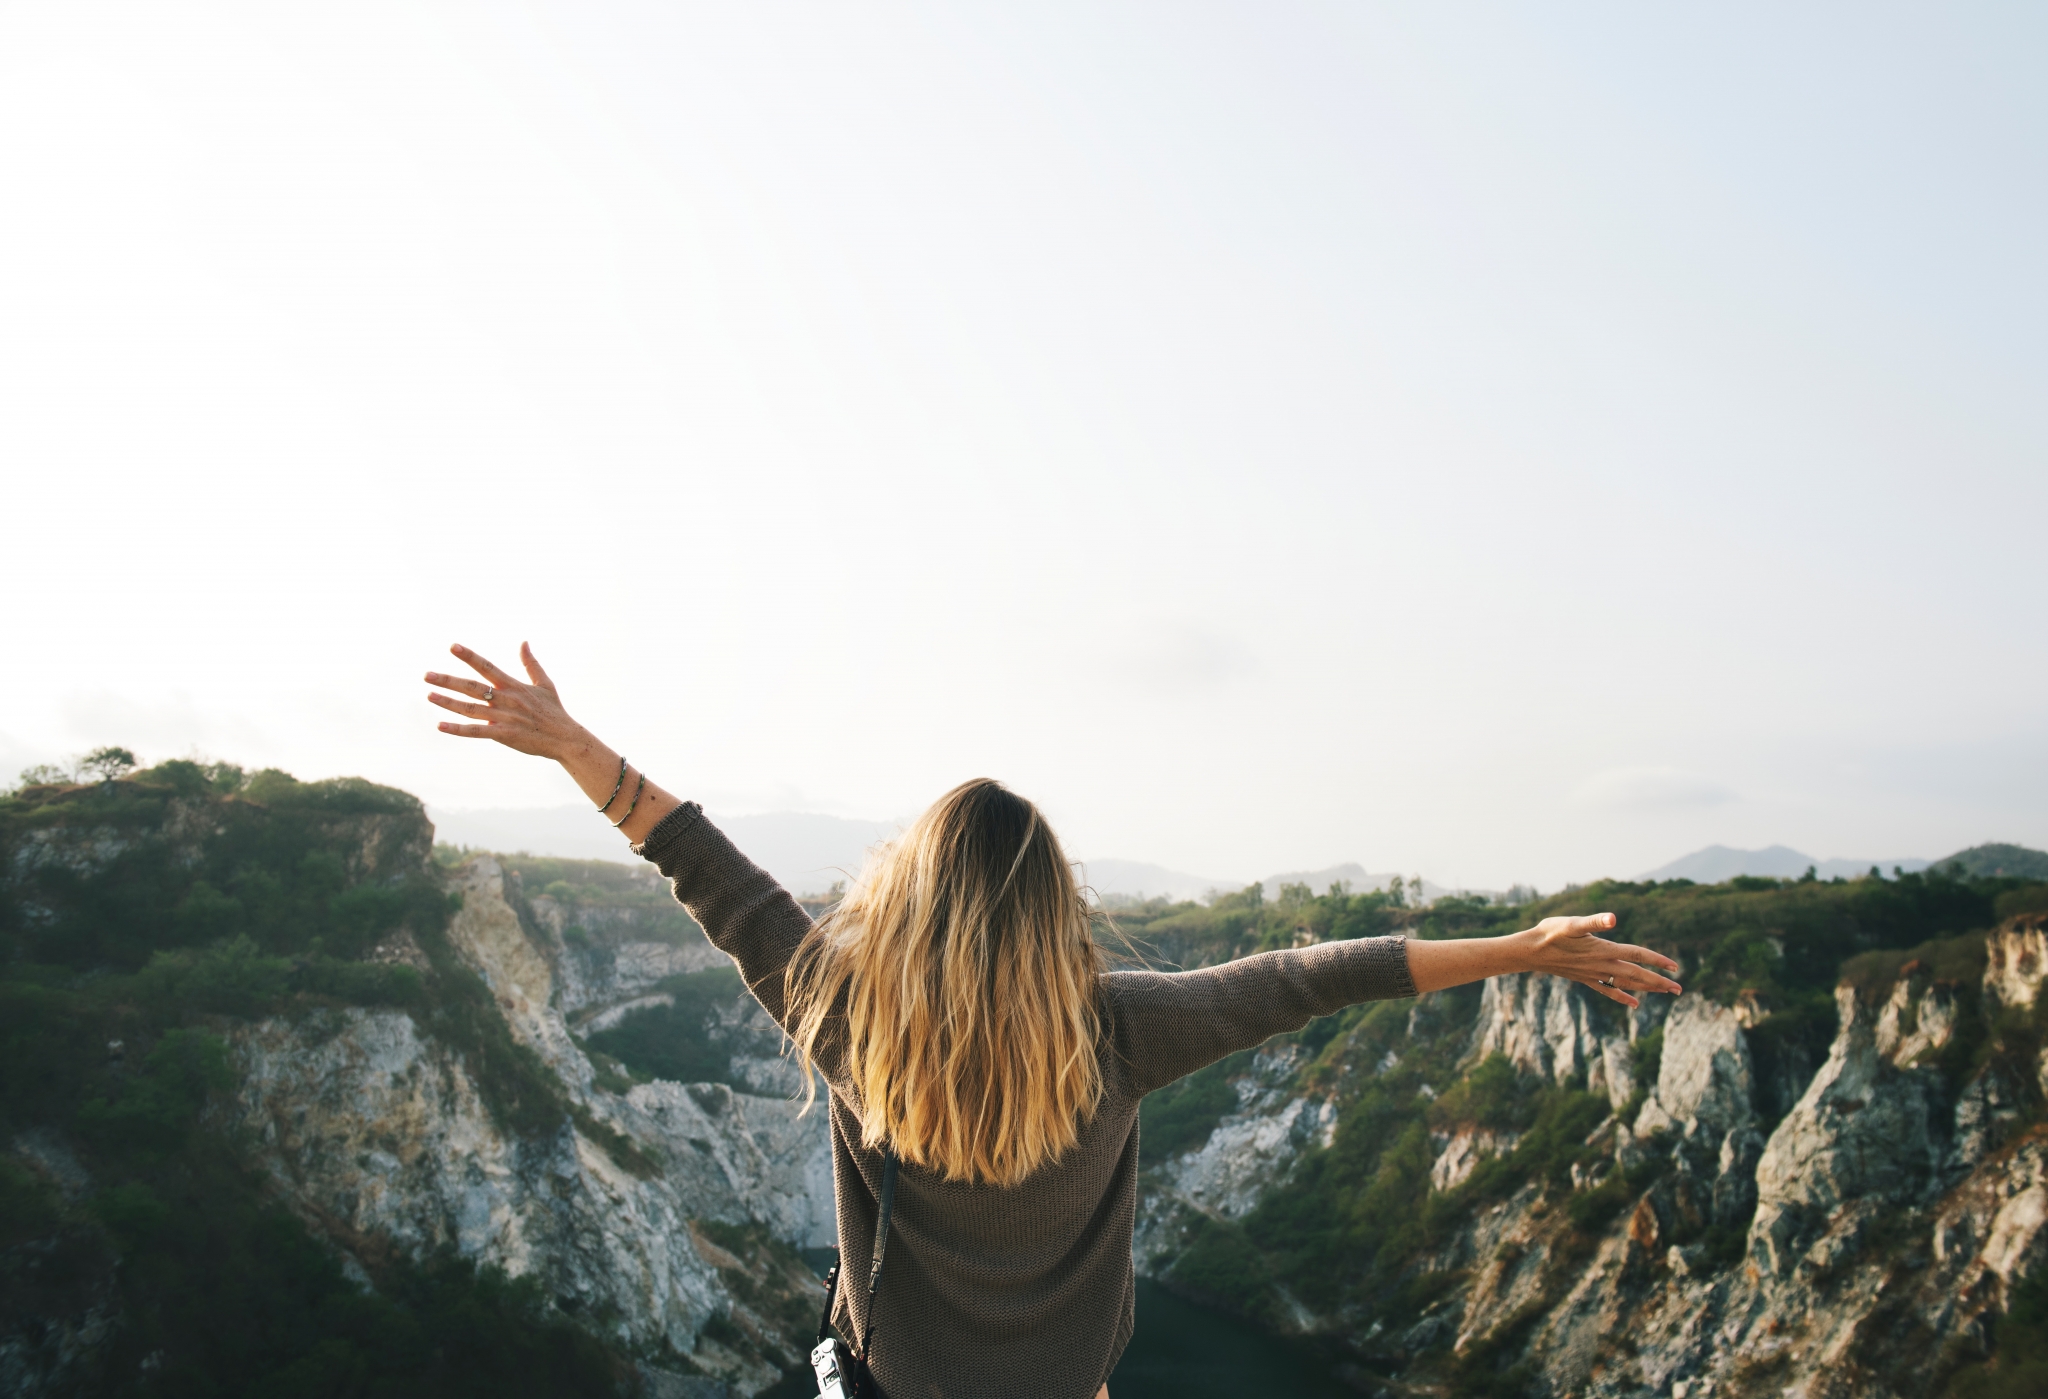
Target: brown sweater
pixel 1003 1293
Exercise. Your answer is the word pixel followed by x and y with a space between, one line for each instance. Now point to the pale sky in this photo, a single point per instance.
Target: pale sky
pixel 1510 443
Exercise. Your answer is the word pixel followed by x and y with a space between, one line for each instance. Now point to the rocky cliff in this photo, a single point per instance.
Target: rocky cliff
pixel 281 1099
pixel 395 1053
pixel 1690 1233
pixel 380 1133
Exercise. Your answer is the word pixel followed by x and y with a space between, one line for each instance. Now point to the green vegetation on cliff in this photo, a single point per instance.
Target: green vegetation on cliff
pixel 138 915
pixel 1353 1229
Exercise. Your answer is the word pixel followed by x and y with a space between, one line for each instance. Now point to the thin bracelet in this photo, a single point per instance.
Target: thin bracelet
pixel 615 789
pixel 630 805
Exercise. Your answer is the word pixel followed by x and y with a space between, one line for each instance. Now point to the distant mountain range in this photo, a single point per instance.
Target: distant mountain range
pixel 1137 880
pixel 1719 862
pixel 806 851
pixel 809 852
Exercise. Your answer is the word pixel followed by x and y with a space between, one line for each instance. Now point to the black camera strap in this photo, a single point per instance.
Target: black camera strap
pixel 888 1202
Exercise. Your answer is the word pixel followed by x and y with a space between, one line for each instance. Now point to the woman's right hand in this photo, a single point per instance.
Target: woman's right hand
pixel 525 716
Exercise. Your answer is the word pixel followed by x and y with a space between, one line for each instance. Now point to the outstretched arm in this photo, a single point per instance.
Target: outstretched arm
pixel 744 912
pixel 1568 947
pixel 528 717
pixel 1170 1024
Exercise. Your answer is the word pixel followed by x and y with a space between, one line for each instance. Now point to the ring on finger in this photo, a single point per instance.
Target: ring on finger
pixel 490 693
pixel 1607 981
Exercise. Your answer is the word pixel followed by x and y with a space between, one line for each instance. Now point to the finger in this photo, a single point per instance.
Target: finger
pixel 1645 956
pixel 1612 993
pixel 473 711
pixel 1640 978
pixel 475 689
pixel 466 730
pixel 482 666
pixel 532 664
pixel 1593 923
pixel 1623 952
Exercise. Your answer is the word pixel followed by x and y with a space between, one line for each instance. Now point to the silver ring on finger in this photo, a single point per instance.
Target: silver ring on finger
pixel 490 693
pixel 1607 981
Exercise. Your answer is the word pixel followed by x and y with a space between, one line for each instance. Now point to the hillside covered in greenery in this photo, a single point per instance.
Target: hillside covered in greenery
pixel 1354 1227
pixel 140 914
pixel 148 918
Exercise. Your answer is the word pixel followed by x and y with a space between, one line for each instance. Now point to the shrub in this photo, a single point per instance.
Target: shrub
pixel 2018 1368
pixel 672 1042
pixel 1180 1116
pixel 28 1206
pixel 151 1112
pixel 1221 1268
pixel 2013 903
pixel 1491 1096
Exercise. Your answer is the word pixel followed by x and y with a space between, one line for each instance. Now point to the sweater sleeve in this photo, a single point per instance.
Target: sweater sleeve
pixel 1168 1024
pixel 745 913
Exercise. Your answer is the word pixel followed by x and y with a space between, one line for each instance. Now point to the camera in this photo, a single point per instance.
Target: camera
pixel 829 1359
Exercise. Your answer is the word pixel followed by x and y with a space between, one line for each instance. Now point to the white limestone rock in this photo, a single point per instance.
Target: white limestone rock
pixel 2016 961
pixel 1864 1129
pixel 1459 1152
pixel 1704 1082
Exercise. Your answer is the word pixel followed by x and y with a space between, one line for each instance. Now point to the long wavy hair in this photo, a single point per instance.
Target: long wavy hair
pixel 961 981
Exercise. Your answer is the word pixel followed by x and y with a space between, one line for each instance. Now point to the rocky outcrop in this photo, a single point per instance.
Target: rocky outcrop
pixel 381 1134
pixel 1559 1031
pixel 2016 960
pixel 790 1153
pixel 1864 1244
pixel 1458 1152
pixel 1245 1155
pixel 1703 1081
pixel 605 955
pixel 1868 1132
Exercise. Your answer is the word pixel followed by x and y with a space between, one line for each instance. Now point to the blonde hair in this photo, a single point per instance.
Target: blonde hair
pixel 960 979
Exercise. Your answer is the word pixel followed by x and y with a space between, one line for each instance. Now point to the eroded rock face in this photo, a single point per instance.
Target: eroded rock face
pixel 1704 1081
pixel 522 974
pixel 2016 962
pixel 1253 1146
pixel 1558 1031
pixel 1862 1245
pixel 1247 1153
pixel 382 1135
pixel 1539 1024
pixel 379 1133
pixel 621 963
pixel 1875 1125
pixel 1459 1152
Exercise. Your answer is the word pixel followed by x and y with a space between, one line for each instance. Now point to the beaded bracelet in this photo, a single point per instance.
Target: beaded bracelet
pixel 634 803
pixel 615 789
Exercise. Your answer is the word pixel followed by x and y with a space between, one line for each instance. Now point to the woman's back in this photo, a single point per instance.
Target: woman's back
pixel 994 1291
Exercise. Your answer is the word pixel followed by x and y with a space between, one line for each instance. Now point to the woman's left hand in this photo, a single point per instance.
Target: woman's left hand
pixel 1573 949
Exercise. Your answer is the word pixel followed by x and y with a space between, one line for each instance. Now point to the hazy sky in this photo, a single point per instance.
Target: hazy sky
pixel 1514 443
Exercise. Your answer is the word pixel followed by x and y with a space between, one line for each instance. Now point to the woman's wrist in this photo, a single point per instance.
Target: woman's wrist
pixel 1518 950
pixel 591 764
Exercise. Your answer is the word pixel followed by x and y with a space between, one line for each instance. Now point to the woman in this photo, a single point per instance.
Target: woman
pixel 958 1009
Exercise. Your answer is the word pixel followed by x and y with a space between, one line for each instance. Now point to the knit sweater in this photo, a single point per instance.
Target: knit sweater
pixel 1006 1292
